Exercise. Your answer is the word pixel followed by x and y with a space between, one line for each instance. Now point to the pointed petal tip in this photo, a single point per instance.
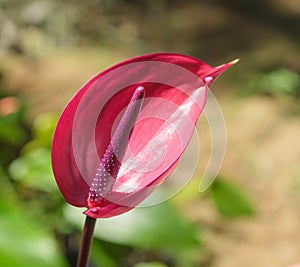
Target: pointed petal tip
pixel 220 69
pixel 225 66
pixel 233 62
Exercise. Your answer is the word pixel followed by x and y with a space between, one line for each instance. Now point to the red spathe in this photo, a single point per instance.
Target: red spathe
pixel 175 95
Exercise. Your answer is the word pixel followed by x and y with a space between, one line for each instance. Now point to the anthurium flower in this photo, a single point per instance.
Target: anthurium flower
pixel 123 132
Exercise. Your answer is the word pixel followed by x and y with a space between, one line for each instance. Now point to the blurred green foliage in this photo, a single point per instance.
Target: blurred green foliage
pixel 277 81
pixel 150 264
pixel 33 169
pixel 149 229
pixel 43 128
pixel 24 241
pixel 230 200
pixel 13 134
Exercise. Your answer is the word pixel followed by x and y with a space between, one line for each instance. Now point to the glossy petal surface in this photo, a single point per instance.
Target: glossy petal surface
pixel 175 94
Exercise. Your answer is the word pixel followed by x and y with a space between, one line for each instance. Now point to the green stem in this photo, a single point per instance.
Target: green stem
pixel 86 242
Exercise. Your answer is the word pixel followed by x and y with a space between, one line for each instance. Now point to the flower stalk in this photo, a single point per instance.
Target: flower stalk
pixel 86 242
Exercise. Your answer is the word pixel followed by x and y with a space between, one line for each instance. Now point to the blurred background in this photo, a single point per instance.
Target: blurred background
pixel 250 216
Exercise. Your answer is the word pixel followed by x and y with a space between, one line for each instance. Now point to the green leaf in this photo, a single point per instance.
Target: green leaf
pixel 33 169
pixel 101 257
pixel 281 81
pixel 11 132
pixel 157 227
pixel 43 128
pixel 277 81
pixel 24 242
pixel 230 200
pixel 150 264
